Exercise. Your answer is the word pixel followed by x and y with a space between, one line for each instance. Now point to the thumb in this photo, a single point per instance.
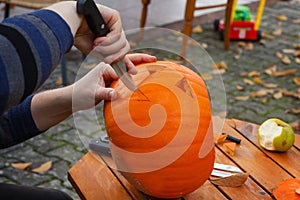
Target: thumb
pixel 106 94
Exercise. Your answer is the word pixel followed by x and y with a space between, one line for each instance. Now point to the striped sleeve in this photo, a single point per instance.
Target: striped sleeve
pixel 31 47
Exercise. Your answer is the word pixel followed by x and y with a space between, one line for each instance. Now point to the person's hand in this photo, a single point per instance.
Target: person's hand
pixel 90 89
pixel 113 46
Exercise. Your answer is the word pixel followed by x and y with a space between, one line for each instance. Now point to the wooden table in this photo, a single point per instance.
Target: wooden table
pixel 93 179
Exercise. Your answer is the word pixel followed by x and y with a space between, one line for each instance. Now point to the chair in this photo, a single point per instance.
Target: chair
pixel 190 8
pixel 36 4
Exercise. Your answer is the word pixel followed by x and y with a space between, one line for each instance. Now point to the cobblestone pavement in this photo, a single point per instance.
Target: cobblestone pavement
pixel 62 146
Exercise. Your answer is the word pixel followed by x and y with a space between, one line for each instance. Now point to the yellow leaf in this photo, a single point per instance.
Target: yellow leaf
pixel 258 80
pixel 197 29
pixel 221 65
pixel 241 98
pixel 297 81
pixel 282 18
pixel 264 100
pixel 21 166
pixel 253 73
pixel 43 168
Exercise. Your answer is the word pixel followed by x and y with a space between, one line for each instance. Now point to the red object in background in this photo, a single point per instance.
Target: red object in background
pixel 240 30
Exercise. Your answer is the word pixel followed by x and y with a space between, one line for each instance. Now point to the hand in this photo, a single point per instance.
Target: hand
pixel 90 89
pixel 113 46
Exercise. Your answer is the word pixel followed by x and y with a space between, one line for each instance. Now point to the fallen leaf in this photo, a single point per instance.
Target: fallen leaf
pixel 244 74
pixel 262 42
pixel 295 125
pixel 221 65
pixel 231 181
pixel 203 45
pixel 218 71
pixel 295 111
pixel 241 98
pixel 249 46
pixel 297 53
pixel 21 166
pixel 282 18
pixel 285 72
pixel 248 81
pixel 268 36
pixel 298 91
pixel 289 51
pixel 277 95
pixel 297 81
pixel 285 60
pixel 59 81
pixel 296 21
pixel 290 94
pixel 241 44
pixel 297 60
pixel 43 168
pixel 279 55
pixel 238 87
pixel 297 46
pixel 206 77
pixel 261 93
pixel 258 80
pixel 197 29
pixel 277 32
pixel 253 73
pixel 271 70
pixel 264 100
pixel 270 85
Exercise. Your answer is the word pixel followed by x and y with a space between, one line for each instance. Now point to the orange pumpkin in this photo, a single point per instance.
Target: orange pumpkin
pixel 287 190
pixel 161 136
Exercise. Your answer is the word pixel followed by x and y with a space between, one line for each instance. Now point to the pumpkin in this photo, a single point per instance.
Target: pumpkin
pixel 161 136
pixel 287 190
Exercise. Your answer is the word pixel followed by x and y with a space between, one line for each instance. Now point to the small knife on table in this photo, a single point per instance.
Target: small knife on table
pixel 98 26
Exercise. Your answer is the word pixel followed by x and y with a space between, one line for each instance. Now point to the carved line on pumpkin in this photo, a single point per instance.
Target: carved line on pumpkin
pixel 127 161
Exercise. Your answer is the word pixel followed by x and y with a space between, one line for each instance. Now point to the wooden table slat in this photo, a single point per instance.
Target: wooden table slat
pixel 288 160
pixel 249 158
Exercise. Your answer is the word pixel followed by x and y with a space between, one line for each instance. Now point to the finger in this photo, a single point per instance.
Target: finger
pixel 106 94
pixel 117 55
pixel 112 44
pixel 109 73
pixel 137 58
pixel 129 65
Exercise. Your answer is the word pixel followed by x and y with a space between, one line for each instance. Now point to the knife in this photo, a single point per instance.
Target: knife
pixel 98 26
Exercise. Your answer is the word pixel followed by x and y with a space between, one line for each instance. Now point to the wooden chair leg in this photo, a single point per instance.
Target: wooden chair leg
pixel 188 24
pixel 229 7
pixel 144 13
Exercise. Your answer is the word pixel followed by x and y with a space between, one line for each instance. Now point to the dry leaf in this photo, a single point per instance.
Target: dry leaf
pixel 285 60
pixel 295 111
pixel 244 74
pixel 231 181
pixel 59 81
pixel 238 87
pixel 279 55
pixel 270 85
pixel 297 53
pixel 297 81
pixel 222 65
pixel 43 168
pixel 261 93
pixel 258 80
pixel 290 94
pixel 248 81
pixel 206 77
pixel 277 32
pixel 197 29
pixel 277 95
pixel 297 60
pixel 296 21
pixel 264 100
pixel 285 72
pixel 203 45
pixel 297 46
pixel 282 18
pixel 21 166
pixel 253 73
pixel 241 44
pixel 262 42
pixel 267 36
pixel 295 125
pixel 241 98
pixel 249 46
pixel 290 51
pixel 271 70
pixel 218 71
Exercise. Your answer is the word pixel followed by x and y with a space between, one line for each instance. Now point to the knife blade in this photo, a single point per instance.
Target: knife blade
pixel 98 26
pixel 229 168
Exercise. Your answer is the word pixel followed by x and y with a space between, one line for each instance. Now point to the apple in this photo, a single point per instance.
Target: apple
pixel 276 135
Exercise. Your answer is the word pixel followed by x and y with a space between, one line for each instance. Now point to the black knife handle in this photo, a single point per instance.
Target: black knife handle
pixel 93 17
